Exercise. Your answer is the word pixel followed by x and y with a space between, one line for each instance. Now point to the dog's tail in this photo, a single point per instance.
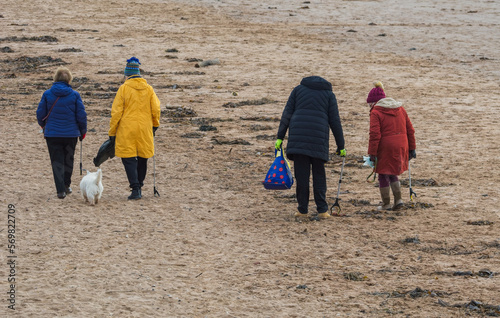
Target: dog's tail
pixel 99 176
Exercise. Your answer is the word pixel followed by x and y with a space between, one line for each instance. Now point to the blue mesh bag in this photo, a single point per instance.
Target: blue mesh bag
pixel 279 176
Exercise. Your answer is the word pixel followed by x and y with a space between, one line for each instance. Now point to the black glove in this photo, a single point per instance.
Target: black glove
pixel 373 158
pixel 413 154
pixel 154 130
pixel 112 138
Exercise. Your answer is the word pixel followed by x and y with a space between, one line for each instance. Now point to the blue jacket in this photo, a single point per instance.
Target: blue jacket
pixel 309 115
pixel 68 117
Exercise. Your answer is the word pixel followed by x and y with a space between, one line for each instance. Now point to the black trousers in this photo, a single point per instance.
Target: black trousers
pixel 136 169
pixel 302 168
pixel 62 157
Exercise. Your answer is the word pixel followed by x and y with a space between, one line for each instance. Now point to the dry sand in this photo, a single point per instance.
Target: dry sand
pixel 216 244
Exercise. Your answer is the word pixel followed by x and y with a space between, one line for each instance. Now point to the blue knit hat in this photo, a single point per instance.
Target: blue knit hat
pixel 132 67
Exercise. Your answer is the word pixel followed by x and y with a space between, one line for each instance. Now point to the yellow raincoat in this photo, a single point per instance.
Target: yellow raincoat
pixel 135 111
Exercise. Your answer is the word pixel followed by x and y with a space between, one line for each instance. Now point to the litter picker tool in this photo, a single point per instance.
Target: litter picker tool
pixel 81 148
pixel 156 193
pixel 335 210
pixel 413 195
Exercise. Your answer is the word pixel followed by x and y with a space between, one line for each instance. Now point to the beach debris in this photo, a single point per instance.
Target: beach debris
pixel 476 306
pixel 257 127
pixel 355 276
pixel 207 128
pixel 260 118
pixel 485 273
pixel 28 64
pixel 207 63
pixel 412 240
pixel 480 222
pixel 422 182
pixel 465 273
pixel 178 111
pixel 44 38
pixel 6 49
pixel 357 202
pixel 70 50
pixel 224 141
pixel 192 135
pixel 193 59
pixel 254 102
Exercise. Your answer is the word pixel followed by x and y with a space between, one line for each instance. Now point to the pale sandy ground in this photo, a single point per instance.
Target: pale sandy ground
pixel 216 244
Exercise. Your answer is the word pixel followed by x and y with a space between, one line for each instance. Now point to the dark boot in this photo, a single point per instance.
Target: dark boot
pixel 136 194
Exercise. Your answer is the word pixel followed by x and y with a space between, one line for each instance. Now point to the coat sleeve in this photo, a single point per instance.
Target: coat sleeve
pixel 116 112
pixel 410 132
pixel 375 134
pixel 334 122
pixel 287 115
pixel 41 111
pixel 81 115
pixel 155 109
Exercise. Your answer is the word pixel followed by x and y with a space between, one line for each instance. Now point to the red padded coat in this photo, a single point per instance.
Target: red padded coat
pixel 391 137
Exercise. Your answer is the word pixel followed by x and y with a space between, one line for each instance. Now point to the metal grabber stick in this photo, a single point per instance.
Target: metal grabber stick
pixel 412 193
pixel 335 210
pixel 156 193
pixel 81 148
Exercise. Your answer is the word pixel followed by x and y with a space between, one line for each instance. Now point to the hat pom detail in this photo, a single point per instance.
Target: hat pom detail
pixel 134 59
pixel 378 84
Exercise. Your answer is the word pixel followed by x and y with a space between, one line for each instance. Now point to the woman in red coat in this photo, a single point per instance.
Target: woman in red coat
pixel 392 143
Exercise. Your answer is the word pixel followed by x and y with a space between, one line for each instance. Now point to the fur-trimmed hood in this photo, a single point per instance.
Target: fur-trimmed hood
pixel 389 103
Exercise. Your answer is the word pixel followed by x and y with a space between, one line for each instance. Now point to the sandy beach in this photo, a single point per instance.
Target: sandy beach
pixel 216 243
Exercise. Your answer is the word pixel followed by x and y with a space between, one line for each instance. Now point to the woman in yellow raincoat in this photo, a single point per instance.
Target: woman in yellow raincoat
pixel 135 117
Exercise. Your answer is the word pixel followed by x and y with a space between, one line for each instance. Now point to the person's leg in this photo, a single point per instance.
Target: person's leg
pixel 385 191
pixel 56 153
pixel 319 184
pixel 302 169
pixel 130 165
pixel 142 169
pixel 396 191
pixel 69 159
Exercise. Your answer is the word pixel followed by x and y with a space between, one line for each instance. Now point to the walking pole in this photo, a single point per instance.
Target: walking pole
pixel 156 193
pixel 81 147
pixel 336 205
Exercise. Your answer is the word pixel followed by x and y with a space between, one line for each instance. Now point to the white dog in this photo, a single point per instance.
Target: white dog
pixel 91 187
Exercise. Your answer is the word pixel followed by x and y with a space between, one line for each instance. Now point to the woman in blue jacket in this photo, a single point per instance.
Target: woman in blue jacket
pixel 309 115
pixel 62 116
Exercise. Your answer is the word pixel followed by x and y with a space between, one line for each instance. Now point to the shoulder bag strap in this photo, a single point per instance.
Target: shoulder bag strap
pixel 50 110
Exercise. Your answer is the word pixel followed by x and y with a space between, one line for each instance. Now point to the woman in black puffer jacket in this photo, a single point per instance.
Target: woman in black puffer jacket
pixel 309 115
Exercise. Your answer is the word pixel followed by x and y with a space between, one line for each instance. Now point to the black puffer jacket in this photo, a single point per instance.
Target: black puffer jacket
pixel 309 114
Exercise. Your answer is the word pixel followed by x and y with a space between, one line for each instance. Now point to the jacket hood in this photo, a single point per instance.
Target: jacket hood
pixel 317 83
pixel 137 83
pixel 388 103
pixel 61 89
pixel 389 106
